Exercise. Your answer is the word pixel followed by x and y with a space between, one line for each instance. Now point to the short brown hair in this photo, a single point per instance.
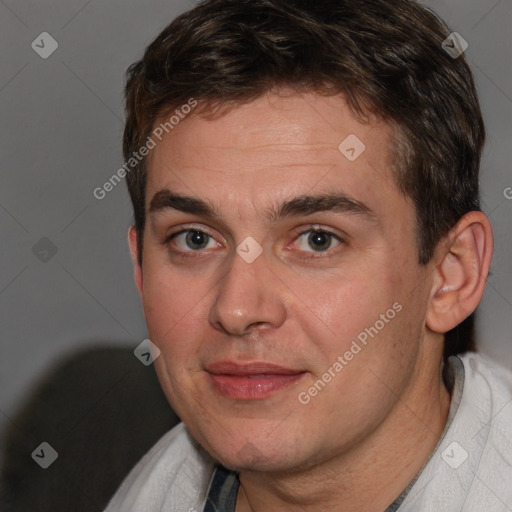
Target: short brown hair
pixel 386 58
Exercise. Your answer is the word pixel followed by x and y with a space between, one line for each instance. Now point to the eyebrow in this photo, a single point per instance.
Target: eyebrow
pixel 301 205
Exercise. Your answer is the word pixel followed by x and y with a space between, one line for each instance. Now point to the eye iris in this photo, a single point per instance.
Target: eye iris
pixel 319 240
pixel 197 239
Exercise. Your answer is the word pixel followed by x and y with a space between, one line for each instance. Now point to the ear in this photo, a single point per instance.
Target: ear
pixel 461 273
pixel 134 251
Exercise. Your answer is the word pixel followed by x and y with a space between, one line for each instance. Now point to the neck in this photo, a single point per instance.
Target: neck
pixel 373 473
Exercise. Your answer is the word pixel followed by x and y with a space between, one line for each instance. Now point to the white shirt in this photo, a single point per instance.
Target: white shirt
pixel 469 471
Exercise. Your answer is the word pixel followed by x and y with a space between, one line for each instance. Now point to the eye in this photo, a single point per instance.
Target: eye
pixel 317 239
pixel 193 240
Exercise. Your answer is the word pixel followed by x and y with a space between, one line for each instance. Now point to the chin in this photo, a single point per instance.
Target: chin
pixel 250 458
pixel 258 453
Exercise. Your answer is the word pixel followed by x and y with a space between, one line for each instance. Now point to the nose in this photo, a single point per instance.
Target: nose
pixel 250 296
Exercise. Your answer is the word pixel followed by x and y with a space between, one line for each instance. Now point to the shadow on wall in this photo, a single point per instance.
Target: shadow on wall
pixel 100 410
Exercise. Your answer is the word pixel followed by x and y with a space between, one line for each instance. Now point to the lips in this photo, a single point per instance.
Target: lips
pixel 251 381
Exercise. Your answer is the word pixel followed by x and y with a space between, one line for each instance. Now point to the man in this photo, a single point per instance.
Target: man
pixel 309 250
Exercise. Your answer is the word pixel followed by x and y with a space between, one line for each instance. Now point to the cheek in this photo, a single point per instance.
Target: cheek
pixel 349 305
pixel 370 321
pixel 175 322
pixel 171 310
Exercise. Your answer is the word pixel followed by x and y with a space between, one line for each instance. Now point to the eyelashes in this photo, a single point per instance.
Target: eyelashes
pixel 318 237
pixel 194 241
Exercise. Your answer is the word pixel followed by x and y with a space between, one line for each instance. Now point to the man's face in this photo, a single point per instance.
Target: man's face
pixel 245 336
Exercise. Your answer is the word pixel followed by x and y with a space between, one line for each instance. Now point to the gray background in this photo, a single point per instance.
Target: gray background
pixel 62 120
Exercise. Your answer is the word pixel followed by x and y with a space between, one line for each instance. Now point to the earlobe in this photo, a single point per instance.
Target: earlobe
pixel 461 274
pixel 134 251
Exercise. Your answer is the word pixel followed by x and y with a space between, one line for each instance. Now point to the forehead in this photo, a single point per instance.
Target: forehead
pixel 274 146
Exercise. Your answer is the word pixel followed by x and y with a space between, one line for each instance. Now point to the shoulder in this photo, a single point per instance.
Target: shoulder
pixel 471 468
pixel 173 475
pixel 487 378
pixel 487 402
pixel 485 430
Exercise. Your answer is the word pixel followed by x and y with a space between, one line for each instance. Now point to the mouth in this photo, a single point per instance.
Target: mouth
pixel 252 381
